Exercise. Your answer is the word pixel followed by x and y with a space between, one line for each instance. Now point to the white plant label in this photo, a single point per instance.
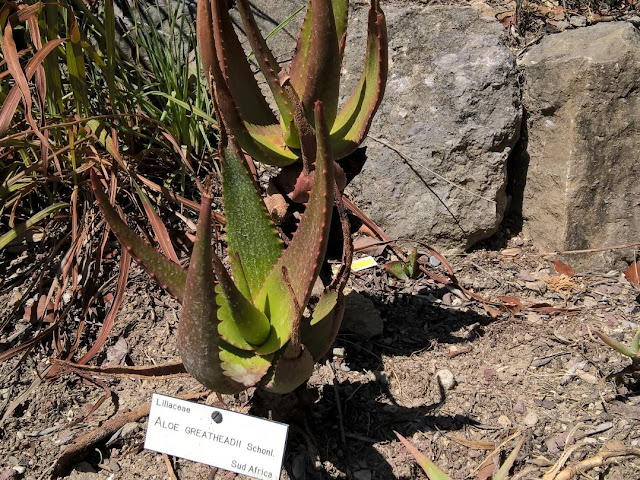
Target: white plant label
pixel 217 437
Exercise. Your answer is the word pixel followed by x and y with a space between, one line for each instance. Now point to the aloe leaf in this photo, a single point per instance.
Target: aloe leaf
pixel 617 346
pixel 169 275
pixel 290 373
pixel 244 367
pixel 411 266
pixel 508 463
pixel 264 148
pixel 252 324
pixel 198 339
pixel 319 335
pixel 251 235
pixel 430 468
pixel 271 70
pixel 319 78
pixel 397 269
pixel 303 257
pixel 235 68
pixel 325 306
pixel 341 16
pixel 263 142
pixel 354 120
pixel 299 62
pixel 635 343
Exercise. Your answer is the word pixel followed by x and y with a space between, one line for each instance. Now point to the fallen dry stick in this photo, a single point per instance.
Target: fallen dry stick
pixel 108 428
pixel 596 461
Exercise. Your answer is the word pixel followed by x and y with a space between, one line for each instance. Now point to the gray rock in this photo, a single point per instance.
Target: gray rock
pixel 361 316
pixel 583 103
pixel 452 106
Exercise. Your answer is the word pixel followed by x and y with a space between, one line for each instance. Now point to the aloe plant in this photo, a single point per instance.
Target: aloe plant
pixel 632 351
pixel 246 328
pixel 313 74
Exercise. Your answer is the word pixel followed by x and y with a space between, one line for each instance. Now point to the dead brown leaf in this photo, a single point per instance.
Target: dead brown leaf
pixel 563 268
pixel 633 273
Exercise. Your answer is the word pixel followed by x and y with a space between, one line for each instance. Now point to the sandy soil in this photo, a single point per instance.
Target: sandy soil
pixel 522 369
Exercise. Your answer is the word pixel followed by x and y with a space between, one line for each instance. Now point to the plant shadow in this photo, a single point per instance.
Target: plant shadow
pixel 351 414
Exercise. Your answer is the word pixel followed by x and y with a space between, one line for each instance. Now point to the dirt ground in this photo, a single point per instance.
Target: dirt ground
pixel 526 370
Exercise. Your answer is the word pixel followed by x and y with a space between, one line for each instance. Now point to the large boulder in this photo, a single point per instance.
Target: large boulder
pixel 452 107
pixel 451 115
pixel 583 103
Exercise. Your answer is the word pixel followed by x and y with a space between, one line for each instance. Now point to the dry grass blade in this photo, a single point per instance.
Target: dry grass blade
pixel 160 230
pixel 13 98
pixel 162 371
pixel 13 64
pixel 125 264
pixel 18 230
pixel 430 468
pixel 177 198
pixel 12 352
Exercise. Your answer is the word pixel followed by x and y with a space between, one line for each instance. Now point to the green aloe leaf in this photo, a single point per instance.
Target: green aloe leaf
pixel 353 121
pixel 397 269
pixel 325 306
pixel 341 16
pixel 198 339
pixel 430 468
pixel 251 235
pixel 617 346
pixel 321 332
pixel 302 259
pixel 411 267
pixel 268 145
pixel 170 275
pixel 635 344
pixel 315 71
pixel 271 70
pixel 235 68
pixel 251 323
pixel 244 367
pixel 290 373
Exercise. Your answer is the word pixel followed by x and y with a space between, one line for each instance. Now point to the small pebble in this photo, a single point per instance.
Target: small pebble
pixel 433 261
pixel 531 419
pixel 504 421
pixel 338 352
pixel 578 21
pixel 446 378
pixel 519 408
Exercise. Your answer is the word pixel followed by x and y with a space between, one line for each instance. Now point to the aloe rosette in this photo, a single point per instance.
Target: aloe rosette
pixel 246 328
pixel 313 74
